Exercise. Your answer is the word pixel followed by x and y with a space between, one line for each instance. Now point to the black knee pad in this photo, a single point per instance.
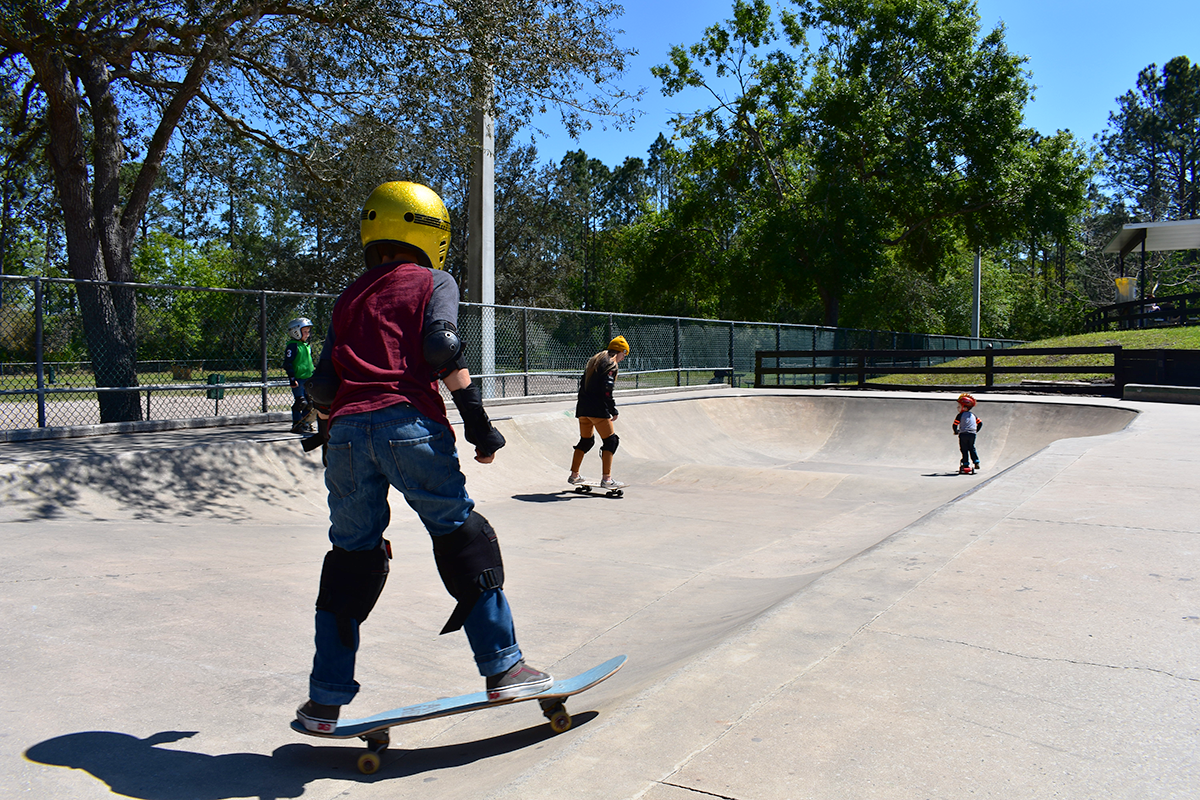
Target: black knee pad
pixel 468 559
pixel 351 582
pixel 610 444
pixel 586 444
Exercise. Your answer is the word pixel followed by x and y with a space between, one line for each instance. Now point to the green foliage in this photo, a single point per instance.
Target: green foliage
pixel 888 147
pixel 163 258
pixel 853 157
pixel 1152 144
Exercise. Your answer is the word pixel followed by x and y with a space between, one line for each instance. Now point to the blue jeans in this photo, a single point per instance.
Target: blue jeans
pixel 369 453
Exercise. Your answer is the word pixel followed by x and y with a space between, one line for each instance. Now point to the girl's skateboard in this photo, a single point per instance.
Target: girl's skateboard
pixel 374 730
pixel 586 486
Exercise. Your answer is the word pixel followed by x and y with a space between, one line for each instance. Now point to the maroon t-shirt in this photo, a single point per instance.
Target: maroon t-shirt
pixel 376 339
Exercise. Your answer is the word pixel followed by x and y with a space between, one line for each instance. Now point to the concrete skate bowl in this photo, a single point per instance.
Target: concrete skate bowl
pixel 736 503
pixel 777 444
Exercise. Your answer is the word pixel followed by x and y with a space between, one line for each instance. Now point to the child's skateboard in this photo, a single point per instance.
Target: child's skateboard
pixel 374 730
pixel 586 486
pixel 965 470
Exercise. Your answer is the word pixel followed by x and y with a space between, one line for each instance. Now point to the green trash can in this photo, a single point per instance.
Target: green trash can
pixel 216 380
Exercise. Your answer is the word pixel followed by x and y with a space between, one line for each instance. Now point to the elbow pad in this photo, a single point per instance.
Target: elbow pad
pixel 442 348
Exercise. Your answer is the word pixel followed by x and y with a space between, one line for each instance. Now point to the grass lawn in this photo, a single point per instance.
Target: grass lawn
pixel 1151 339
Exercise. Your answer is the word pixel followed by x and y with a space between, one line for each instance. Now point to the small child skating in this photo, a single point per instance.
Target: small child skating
pixel 298 364
pixel 966 425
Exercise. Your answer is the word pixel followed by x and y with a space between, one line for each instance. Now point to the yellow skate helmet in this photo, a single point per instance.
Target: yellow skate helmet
pixel 406 213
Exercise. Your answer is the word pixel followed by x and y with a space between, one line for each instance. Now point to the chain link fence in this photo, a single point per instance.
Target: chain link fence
pixel 83 352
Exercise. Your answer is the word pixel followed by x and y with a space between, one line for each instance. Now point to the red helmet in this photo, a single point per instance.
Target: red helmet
pixel 966 401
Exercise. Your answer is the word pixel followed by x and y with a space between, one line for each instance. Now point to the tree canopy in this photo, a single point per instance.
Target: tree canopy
pixel 1152 144
pixel 845 135
pixel 108 85
pixel 849 161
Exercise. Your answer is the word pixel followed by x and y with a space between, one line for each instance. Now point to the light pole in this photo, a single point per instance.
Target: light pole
pixel 481 235
pixel 975 296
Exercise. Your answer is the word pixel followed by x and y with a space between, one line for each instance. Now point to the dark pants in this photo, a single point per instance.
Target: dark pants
pixel 966 444
pixel 300 402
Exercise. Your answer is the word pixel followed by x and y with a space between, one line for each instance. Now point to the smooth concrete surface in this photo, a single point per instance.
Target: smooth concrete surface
pixel 813 603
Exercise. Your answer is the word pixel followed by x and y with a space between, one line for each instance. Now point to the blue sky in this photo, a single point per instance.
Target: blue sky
pixel 1083 54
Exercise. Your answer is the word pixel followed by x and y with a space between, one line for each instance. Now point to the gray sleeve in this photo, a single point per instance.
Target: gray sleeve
pixel 443 302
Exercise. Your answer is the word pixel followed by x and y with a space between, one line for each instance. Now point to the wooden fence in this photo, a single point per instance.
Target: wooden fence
pixel 1153 312
pixel 856 367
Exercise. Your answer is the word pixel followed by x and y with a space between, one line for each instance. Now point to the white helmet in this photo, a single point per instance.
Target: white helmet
pixel 297 324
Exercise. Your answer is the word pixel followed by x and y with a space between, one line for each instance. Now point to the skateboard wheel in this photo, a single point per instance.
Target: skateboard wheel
pixel 560 721
pixel 368 763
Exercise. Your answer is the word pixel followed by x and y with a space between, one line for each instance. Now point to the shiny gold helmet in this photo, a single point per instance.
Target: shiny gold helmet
pixel 406 213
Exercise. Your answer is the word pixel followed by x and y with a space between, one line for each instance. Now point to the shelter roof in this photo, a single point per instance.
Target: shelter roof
pixel 1175 235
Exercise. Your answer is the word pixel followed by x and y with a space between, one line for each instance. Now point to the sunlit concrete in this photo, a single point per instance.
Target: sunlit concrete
pixel 813 603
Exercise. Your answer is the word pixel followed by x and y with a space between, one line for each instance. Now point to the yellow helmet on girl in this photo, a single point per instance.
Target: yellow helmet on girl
pixel 410 214
pixel 619 345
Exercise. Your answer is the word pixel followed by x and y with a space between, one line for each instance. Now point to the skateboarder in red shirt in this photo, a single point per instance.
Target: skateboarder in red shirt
pixel 393 335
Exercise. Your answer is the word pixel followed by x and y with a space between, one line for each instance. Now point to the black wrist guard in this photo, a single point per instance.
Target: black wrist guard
pixel 476 425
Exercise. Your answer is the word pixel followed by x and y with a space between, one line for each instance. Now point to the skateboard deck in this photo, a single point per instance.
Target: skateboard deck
pixel 374 729
pixel 586 488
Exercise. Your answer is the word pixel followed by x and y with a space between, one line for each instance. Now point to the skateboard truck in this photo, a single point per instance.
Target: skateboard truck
pixel 377 742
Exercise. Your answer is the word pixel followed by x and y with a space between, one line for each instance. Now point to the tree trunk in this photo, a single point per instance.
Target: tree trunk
pixel 99 235
pixel 108 314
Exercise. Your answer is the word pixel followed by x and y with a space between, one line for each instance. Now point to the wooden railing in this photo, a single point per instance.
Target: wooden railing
pixel 855 367
pixel 1153 312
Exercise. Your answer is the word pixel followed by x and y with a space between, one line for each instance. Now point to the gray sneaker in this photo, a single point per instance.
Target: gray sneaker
pixel 578 479
pixel 521 680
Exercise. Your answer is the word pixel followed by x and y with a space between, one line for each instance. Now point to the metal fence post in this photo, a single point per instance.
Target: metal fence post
pixel 525 347
pixel 732 379
pixel 39 351
pixel 678 354
pixel 779 346
pixel 262 346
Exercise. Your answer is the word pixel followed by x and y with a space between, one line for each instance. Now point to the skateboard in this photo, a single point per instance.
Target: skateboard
pixel 587 486
pixel 967 470
pixel 374 730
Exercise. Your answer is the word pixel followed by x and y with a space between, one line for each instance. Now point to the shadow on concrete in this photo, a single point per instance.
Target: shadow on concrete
pixel 549 497
pixel 222 481
pixel 140 768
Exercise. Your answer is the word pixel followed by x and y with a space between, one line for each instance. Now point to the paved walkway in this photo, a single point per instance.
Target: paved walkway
pixel 813 605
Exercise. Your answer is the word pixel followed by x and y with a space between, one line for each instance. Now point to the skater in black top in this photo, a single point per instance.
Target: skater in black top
pixel 597 411
pixel 966 425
